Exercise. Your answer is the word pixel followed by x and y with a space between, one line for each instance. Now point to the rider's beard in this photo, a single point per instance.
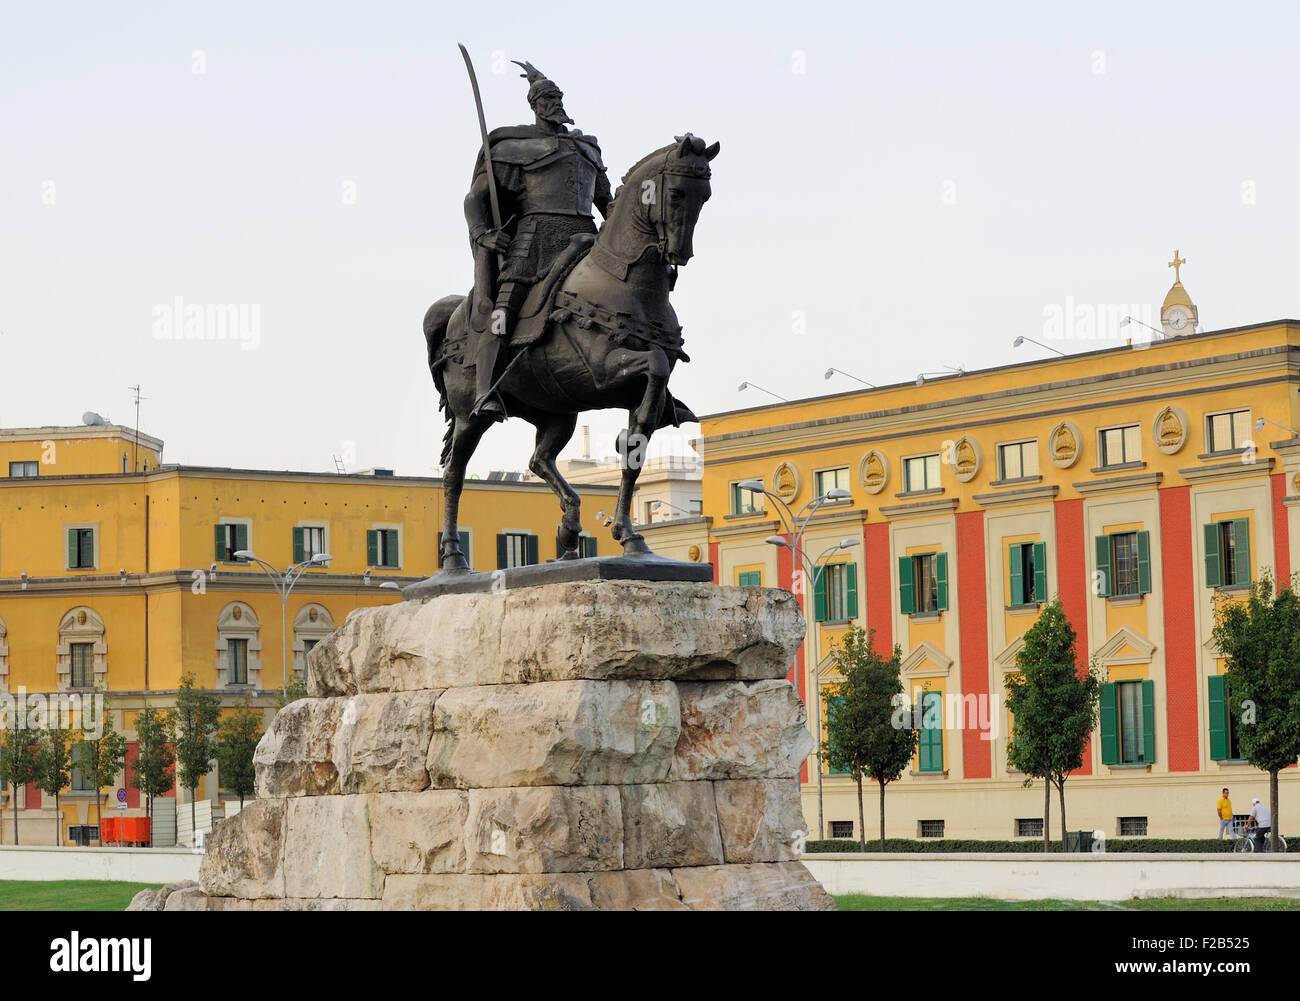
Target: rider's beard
pixel 555 114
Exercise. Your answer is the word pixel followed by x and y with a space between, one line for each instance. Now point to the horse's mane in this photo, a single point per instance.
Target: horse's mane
pixel 641 163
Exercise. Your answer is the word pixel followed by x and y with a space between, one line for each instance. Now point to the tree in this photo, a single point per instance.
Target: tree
pixel 54 770
pixel 296 689
pixel 1055 706
pixel 237 737
pixel 867 733
pixel 102 757
pixel 152 771
pixel 1260 640
pixel 19 754
pixel 197 715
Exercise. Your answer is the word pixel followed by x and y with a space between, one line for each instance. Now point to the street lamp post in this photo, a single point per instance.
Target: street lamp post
pixel 284 583
pixel 796 524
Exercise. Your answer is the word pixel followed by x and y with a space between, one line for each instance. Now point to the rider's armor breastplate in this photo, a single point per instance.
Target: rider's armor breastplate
pixel 559 177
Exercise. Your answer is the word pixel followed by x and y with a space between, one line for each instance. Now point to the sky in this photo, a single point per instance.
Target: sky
pixel 900 188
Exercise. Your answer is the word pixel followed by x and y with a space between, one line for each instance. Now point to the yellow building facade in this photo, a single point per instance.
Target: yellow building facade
pixel 129 580
pixel 1138 483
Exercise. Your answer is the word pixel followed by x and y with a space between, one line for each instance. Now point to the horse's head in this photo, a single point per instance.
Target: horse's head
pixel 670 186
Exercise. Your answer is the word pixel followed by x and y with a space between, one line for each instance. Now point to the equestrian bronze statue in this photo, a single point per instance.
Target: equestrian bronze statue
pixel 563 317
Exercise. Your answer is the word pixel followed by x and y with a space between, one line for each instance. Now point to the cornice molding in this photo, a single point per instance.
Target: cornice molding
pixel 920 509
pixel 1023 495
pixel 1227 470
pixel 1118 484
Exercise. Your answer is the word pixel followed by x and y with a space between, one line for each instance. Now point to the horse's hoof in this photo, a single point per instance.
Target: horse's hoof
pixel 635 545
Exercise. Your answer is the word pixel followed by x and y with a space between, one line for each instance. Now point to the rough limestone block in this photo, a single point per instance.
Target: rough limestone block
pixel 635 890
pixel 554 733
pixel 593 630
pixel 381 742
pixel 544 829
pixel 740 730
pixel 244 853
pixel 186 898
pixel 776 886
pixel 483 892
pixel 295 756
pixel 156 900
pixel 761 819
pixel 670 824
pixel 419 832
pixel 327 848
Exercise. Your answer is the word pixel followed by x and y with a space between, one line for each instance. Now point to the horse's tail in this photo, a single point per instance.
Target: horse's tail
pixel 435 333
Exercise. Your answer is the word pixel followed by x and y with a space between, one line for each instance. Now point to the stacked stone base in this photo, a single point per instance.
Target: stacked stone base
pixel 605 745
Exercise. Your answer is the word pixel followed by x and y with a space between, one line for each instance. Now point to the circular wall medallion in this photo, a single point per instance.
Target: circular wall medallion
pixel 873 471
pixel 1064 444
pixel 785 482
pixel 1169 429
pixel 694 554
pixel 966 458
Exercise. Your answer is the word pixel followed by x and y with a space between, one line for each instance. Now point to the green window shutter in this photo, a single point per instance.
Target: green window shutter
pixel 1241 542
pixel 298 553
pixel 372 547
pixel 219 542
pixel 241 539
pixel 833 704
pixel 941 578
pixel 1017 575
pixel 1144 562
pixel 501 552
pixel 1109 722
pixel 530 550
pixel 930 743
pixel 906 586
pixel 1213 561
pixel 1218 718
pixel 1040 571
pixel 819 598
pixel 464 544
pixel 751 579
pixel 1103 564
pixel 72 549
pixel 1148 721
pixel 851 589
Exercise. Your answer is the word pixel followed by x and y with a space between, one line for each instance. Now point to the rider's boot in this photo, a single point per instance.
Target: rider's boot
pixel 487 403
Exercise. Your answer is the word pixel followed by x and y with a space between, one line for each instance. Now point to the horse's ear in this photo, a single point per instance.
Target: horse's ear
pixel 684 147
pixel 712 151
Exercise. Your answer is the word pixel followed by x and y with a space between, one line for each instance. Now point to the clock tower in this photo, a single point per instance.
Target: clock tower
pixel 1178 314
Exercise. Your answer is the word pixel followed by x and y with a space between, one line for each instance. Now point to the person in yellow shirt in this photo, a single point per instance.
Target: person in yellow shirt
pixel 1224 812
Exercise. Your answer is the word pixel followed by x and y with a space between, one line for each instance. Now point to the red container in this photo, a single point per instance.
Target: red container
pixel 110 830
pixel 135 830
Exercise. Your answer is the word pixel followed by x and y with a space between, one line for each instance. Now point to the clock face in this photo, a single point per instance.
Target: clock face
pixel 1177 317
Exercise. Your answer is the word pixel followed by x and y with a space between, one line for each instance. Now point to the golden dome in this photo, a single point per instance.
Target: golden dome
pixel 1177 295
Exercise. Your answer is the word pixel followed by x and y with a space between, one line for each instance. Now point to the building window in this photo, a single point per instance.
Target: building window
pixel 1121 445
pixel 81 549
pixel 83 665
pixel 307 647
pixel 80 781
pixel 1228 432
pixel 751 578
pixel 835 598
pixel 930 743
pixel 1128 723
pixel 587 547
pixel 841 828
pixel 382 548
pixel 1123 564
pixel 516 549
pixel 1227 553
pixel 932 828
pixel 650 507
pixel 1029 827
pixel 923 583
pixel 237 662
pixel 826 480
pixel 1132 827
pixel 308 541
pixel 1225 739
pixel 1017 459
pixel 21 470
pixel 229 539
pixel 921 472
pixel 696 505
pixel 1028 563
pixel 745 501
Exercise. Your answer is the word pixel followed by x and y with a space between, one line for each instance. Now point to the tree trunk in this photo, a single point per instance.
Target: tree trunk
pixel 99 820
pixel 1061 788
pixel 241 800
pixel 1272 805
pixel 882 816
pixel 15 785
pixel 1047 815
pixel 193 814
pixel 58 820
pixel 148 812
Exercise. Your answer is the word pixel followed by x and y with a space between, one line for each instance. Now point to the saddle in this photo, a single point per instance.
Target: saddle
pixel 531 323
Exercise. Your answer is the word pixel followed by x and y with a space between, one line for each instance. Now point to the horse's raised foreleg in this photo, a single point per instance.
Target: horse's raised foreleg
pixel 633 444
pixel 464 439
pixel 552 435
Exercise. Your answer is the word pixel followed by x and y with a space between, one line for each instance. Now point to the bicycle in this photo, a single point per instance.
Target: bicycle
pixel 1243 839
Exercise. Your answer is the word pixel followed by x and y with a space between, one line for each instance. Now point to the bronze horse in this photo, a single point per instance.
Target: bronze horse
pixel 611 340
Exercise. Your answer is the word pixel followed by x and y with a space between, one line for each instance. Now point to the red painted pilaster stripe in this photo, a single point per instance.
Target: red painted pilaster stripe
pixel 713 559
pixel 1180 580
pixel 1281 530
pixel 972 607
pixel 878 587
pixel 33 796
pixel 1072 581
pixel 132 794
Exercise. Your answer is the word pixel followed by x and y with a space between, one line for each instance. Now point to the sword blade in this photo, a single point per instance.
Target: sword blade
pixel 482 127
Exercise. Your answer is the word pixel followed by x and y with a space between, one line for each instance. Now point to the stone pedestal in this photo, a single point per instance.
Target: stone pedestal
pixel 608 744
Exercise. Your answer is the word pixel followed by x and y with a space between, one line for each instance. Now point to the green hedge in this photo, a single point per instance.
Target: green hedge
pixel 1113 845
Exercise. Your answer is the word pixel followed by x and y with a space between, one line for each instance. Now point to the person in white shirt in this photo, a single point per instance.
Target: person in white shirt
pixel 1261 822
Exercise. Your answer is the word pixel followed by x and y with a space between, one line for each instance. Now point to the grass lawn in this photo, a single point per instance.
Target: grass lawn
pixel 68 894
pixel 859 902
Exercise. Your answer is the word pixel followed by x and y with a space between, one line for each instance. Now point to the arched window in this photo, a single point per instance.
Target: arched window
pixel 239 647
pixel 83 654
pixel 311 625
